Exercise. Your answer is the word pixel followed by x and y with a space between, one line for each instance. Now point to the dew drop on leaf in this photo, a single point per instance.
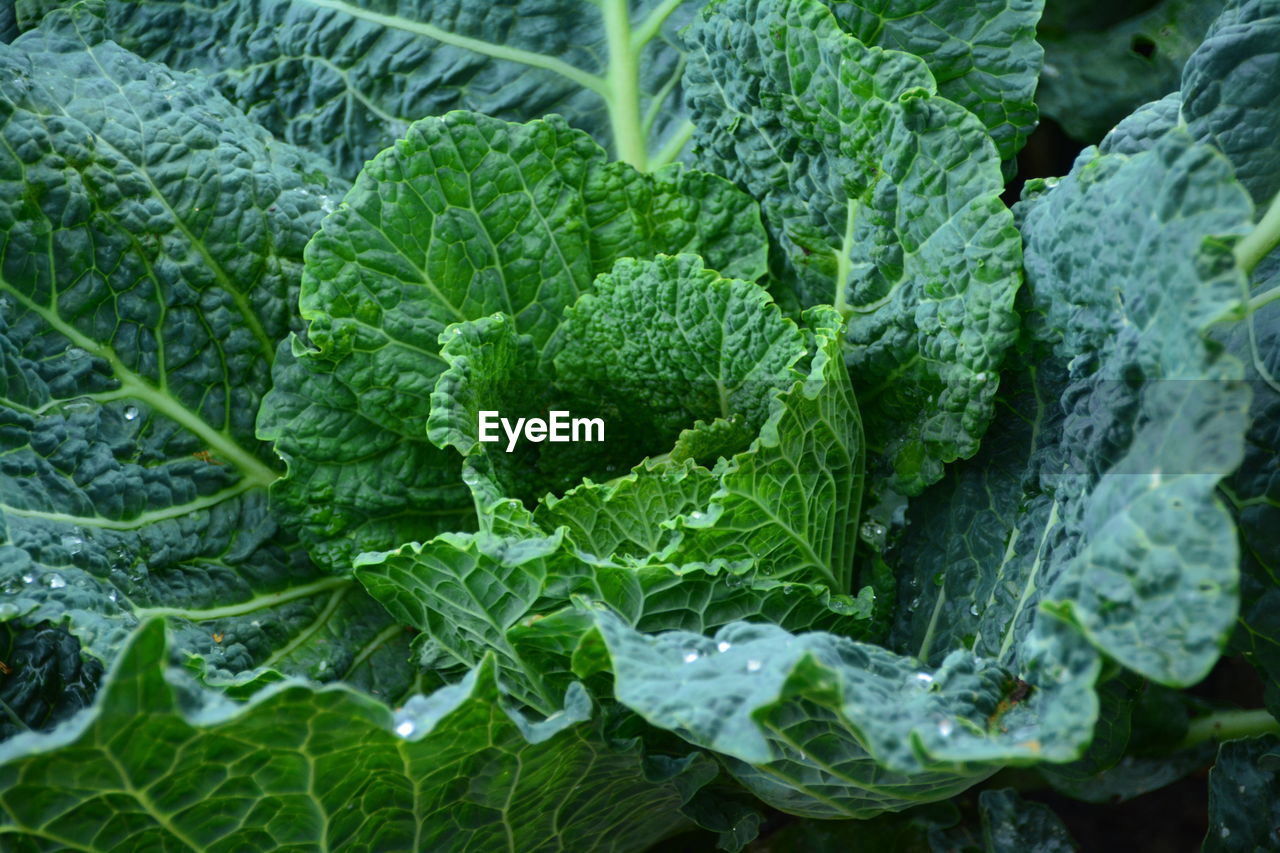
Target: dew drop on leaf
pixel 723 646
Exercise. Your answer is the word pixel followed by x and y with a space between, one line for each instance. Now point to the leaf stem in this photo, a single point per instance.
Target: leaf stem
pixel 1229 725
pixel 675 143
pixel 1259 242
pixel 623 79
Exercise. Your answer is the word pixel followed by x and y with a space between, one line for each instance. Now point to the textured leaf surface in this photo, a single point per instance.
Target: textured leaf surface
pixel 1011 825
pixel 478 594
pixel 315 769
pixel 819 725
pixel 151 240
pixel 883 199
pixel 1229 88
pixel 1244 796
pixel 466 216
pixel 984 56
pixel 659 345
pixel 1135 541
pixel 346 79
pixel 1091 80
pixel 47 679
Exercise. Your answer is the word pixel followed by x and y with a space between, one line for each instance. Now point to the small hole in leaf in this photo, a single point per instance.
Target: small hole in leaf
pixel 1143 46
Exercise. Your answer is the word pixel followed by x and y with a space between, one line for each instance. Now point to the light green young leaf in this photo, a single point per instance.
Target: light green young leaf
pixel 465 217
pixel 883 199
pixel 346 78
pixel 151 239
pixel 150 767
pixel 984 55
pixel 659 345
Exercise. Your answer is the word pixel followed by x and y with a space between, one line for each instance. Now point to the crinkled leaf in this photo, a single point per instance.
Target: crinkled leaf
pixel 817 724
pixel 790 502
pixel 882 199
pixel 1093 79
pixel 984 55
pixel 478 594
pixel 1244 796
pixel 661 344
pixel 346 78
pixel 1227 99
pixel 151 239
pixel 466 216
pixel 46 679
pixel 1010 824
pixel 1230 86
pixel 155 767
pixel 1131 536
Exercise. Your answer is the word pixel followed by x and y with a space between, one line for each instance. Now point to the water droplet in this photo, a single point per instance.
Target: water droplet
pixel 923 679
pixel 787 589
pixel 405 728
pixel 695 515
pixel 55 581
pixel 326 203
pixel 723 646
pixel 324 664
pixel 113 596
pixel 1226 832
pixel 690 657
pixel 980 377
pixel 74 544
pixel 753 666
pixel 945 728
pixel 27 577
pixel 973 609
pixel 914 605
pixel 1241 788
pixel 75 353
pixel 10 587
pixel 130 413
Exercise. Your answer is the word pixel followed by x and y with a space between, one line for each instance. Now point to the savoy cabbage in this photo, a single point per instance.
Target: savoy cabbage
pixel 914 485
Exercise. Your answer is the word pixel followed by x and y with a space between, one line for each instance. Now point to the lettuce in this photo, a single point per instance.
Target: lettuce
pixel 891 487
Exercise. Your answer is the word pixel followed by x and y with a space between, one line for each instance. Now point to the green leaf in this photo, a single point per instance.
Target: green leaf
pixel 46 678
pixel 658 345
pixel 819 725
pixel 346 78
pixel 151 243
pixel 1011 825
pixel 625 516
pixel 1244 796
pixel 466 216
pixel 159 766
pixel 478 594
pixel 790 503
pixel 1093 79
pixel 882 199
pixel 984 55
pixel 1229 88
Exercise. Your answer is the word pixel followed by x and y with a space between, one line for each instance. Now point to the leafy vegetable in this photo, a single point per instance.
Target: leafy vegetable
pixel 152 241
pixel 469 477
pixel 883 200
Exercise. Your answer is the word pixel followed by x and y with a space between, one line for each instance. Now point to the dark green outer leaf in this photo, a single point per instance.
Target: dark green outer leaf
pixel 150 246
pixel 1244 797
pixel 984 55
pixel 1091 80
pixel 346 79
pixel 1012 825
pixel 1229 90
pixel 157 765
